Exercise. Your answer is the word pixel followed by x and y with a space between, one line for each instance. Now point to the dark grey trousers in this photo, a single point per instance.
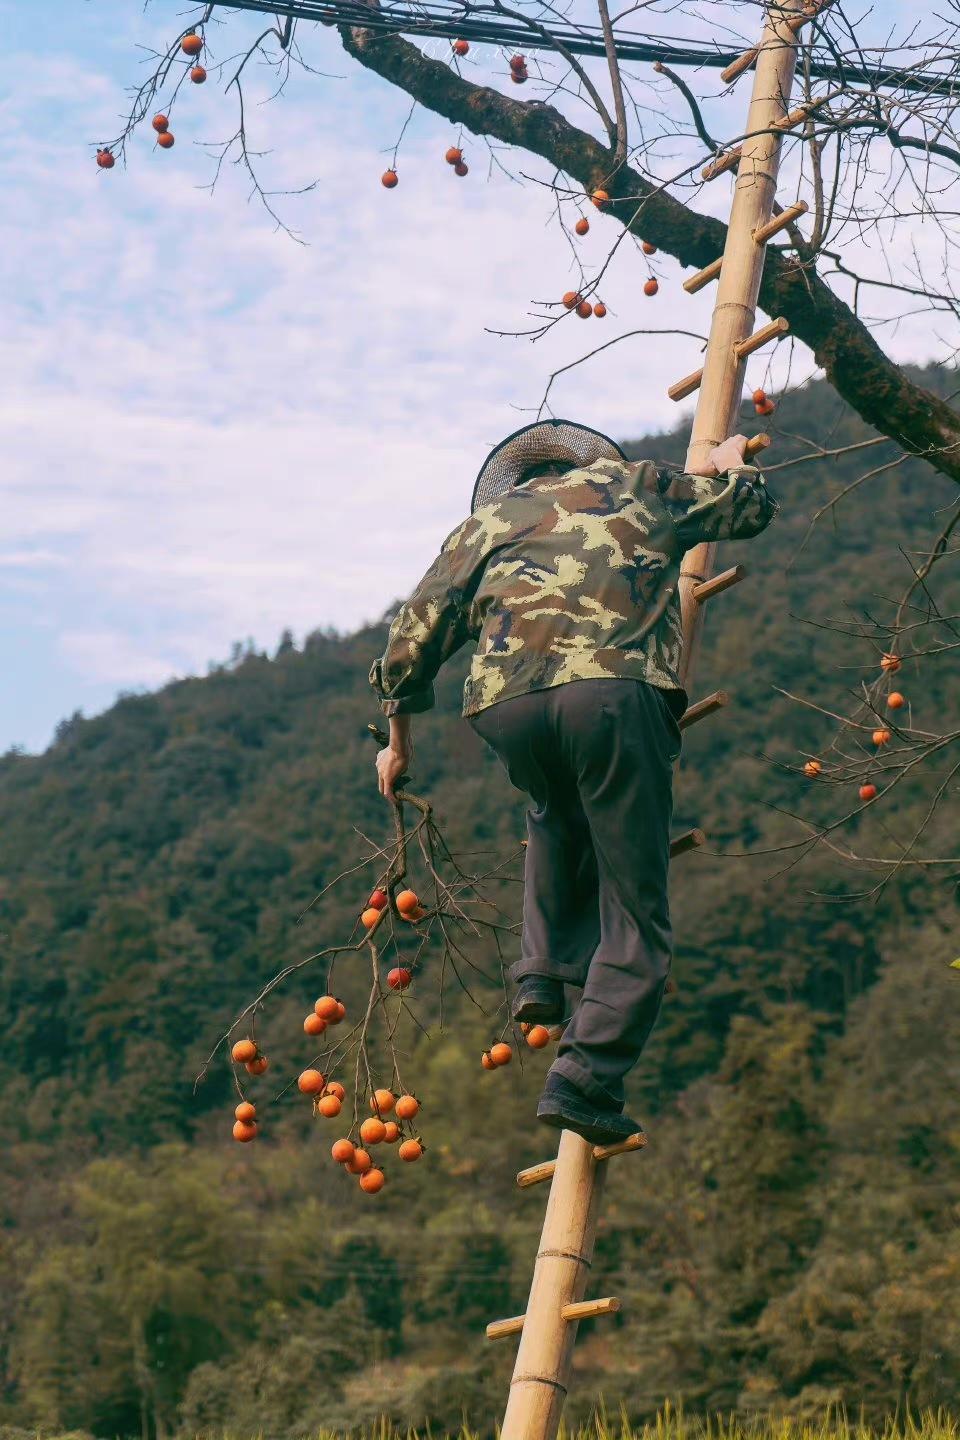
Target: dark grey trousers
pixel 596 758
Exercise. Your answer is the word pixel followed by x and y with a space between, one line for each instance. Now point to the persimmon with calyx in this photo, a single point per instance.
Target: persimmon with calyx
pixel 191 44
pixel 759 397
pixel 895 700
pixel 651 287
pixel 257 1066
pixel 106 159
pixel 314 1024
pixel 487 1061
pixel 328 1008
pixel 160 123
pixel 382 1102
pixel 584 309
pixel 454 155
pixel 812 769
pixel 359 1162
pixel 392 1132
pixel 329 1106
pixel 335 1088
pixel 601 198
pixel 461 168
pixel 767 408
pixel 572 299
pixel 867 791
pixel 890 663
pixel 166 141
pixel 407 900
pixel 518 62
pixel 501 1053
pixel 198 75
pixel 389 179
pixel 399 978
pixel 343 1151
pixel 407 1107
pixel 881 737
pixel 244 1133
pixel 582 226
pixel 599 309
pixel 379 900
pixel 372 1181
pixel 244 1051
pixel 647 248
pixel 245 1112
pixel 373 1131
pixel 311 1082
pixel 519 77
pixel 538 1036
pixel 370 917
pixel 410 1150
pixel 461 47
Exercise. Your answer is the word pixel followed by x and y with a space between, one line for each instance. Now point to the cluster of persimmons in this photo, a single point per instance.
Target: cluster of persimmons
pixel 392 1111
pixel 881 737
pixel 191 45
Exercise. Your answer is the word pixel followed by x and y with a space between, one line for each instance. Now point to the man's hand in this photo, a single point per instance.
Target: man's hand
pixel 390 766
pixel 724 457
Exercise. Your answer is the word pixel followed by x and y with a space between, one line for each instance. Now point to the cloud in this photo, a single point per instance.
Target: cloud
pixel 113 658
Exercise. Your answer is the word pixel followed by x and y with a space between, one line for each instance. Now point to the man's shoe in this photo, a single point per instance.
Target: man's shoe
pixel 538 998
pixel 567 1108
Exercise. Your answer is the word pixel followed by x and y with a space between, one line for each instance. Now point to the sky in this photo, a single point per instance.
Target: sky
pixel 213 432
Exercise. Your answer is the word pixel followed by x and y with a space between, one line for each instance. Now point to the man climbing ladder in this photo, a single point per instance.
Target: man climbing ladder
pixel 567 576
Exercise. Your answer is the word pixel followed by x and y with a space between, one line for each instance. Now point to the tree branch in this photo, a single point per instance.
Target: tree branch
pixel 870 382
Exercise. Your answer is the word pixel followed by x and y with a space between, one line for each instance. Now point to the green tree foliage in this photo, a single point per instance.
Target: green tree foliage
pixel 788 1237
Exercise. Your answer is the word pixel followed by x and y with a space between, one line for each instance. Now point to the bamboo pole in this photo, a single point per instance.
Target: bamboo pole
pixel 718 401
pixel 542 1369
pixel 539 1385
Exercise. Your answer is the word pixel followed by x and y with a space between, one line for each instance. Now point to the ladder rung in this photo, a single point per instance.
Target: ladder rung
pixel 622 1147
pixel 722 164
pixel 584 1309
pixel 744 61
pixel 536 1174
pixel 703 708
pixel 686 386
pixel 690 841
pixel 737 67
pixel 772 331
pixel 731 159
pixel 703 277
pixel 718 583
pixel 576 1310
pixel 780 222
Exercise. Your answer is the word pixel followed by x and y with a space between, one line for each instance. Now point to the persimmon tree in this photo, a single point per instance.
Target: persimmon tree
pixel 639 129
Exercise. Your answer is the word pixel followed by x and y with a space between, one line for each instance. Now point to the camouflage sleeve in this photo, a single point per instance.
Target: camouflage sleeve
pixel 735 506
pixel 426 631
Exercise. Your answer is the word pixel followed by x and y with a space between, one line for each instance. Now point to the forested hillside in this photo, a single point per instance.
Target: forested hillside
pixel 791 1234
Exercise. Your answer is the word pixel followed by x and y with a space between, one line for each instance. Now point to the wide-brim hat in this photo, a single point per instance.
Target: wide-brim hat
pixel 561 440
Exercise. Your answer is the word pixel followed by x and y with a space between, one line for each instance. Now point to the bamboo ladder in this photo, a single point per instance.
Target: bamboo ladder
pixel 556 1301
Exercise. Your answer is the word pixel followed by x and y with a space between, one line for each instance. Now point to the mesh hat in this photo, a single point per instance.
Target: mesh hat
pixel 561 440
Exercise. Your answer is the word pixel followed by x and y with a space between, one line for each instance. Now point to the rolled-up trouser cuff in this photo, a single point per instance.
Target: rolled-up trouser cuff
pixel 570 1070
pixel 549 969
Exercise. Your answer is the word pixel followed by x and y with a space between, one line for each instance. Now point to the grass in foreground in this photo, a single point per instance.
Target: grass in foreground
pixel 671 1424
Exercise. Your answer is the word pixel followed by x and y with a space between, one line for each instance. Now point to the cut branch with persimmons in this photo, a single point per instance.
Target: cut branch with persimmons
pixel 358 1074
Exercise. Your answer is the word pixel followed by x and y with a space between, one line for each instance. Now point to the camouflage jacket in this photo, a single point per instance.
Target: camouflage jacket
pixel 567 577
